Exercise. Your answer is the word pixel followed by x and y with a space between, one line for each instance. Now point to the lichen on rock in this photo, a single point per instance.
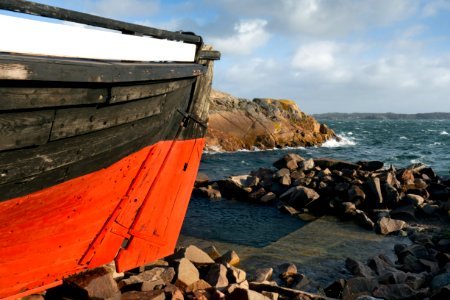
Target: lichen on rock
pixel 262 123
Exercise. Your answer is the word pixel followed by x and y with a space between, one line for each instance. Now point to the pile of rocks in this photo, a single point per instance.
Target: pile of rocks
pixel 190 273
pixel 422 271
pixel 375 197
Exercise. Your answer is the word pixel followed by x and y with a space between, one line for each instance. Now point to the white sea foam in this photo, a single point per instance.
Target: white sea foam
pixel 444 132
pixel 344 141
pixel 403 138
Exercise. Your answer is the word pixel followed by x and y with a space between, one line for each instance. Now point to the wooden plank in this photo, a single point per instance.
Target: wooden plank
pixel 20 164
pixel 16 67
pixel 128 93
pixel 75 121
pixel 18 130
pixel 37 97
pixel 78 17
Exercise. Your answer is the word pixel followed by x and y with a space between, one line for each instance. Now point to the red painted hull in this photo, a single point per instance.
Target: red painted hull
pixel 130 212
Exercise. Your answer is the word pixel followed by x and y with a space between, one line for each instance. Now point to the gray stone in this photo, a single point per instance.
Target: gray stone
pixel 306 165
pixel 212 252
pixel 283 162
pixel 355 194
pixel 333 164
pixel 392 195
pixel 363 220
pixel 217 276
pixel 387 225
pixel 359 286
pixel 373 165
pixel 375 188
pixel 302 196
pixel 397 292
pixel 357 268
pixel 440 281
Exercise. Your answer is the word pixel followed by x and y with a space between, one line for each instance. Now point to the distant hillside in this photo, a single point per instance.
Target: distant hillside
pixel 383 116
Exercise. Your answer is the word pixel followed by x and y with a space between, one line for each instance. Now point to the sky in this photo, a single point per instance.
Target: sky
pixel 327 55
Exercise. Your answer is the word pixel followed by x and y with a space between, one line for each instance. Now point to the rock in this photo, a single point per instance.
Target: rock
pixel 96 283
pixel 263 274
pixel 208 192
pixel 406 176
pixel 269 197
pixel 198 285
pixel 392 197
pixel 186 272
pixel 212 252
pixel 387 225
pixel 286 270
pixel 397 292
pixel 306 165
pixel 233 189
pixel 430 209
pixel 271 295
pixel 194 254
pixel 405 213
pixel 286 180
pixel 440 281
pixel 152 285
pixel 375 189
pixel 359 286
pixel 392 277
pixel 281 172
pixel 306 217
pixel 346 208
pixel 300 196
pixel 217 276
pixel 149 295
pixel 417 250
pixel 286 209
pixel 442 293
pixel 370 165
pixel 148 279
pixel 173 292
pixel 245 294
pixel 230 257
pixel 289 161
pixel 233 286
pixel 336 289
pixel 414 199
pixel 256 195
pixel 357 268
pixel 236 275
pixel 33 297
pixel 334 164
pixel 201 180
pixel 363 220
pixel 356 194
pixel 381 265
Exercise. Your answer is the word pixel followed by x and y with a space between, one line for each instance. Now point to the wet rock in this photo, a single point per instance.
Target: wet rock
pixel 230 257
pixel 333 164
pixel 370 165
pixel 392 197
pixel 96 283
pixel 359 286
pixel 257 195
pixel 397 292
pixel 363 220
pixel 187 273
pixel 201 180
pixel 217 276
pixel 263 274
pixel 269 197
pixel 208 192
pixel 336 289
pixel 300 196
pixel 356 194
pixel 357 268
pixel 430 209
pixel 375 189
pixel 440 281
pixel 286 209
pixel 386 225
pixel 285 270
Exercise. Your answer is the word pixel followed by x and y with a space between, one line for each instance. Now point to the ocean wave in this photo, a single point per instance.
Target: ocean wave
pixel 344 141
pixel 403 138
pixel 444 132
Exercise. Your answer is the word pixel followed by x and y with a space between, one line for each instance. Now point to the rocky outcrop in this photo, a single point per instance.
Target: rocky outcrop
pixel 261 123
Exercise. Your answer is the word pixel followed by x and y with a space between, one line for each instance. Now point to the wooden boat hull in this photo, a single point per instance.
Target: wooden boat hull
pixel 97 157
pixel 61 230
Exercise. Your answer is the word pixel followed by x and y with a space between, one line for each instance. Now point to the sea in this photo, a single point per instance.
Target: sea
pixel 263 237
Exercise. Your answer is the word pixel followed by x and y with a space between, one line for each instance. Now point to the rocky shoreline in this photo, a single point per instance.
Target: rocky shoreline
pixel 236 124
pixel 411 202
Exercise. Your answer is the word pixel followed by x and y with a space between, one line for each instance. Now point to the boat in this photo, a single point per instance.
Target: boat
pixel 101 135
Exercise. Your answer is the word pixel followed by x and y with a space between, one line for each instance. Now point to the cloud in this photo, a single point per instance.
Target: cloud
pixel 318 56
pixel 432 8
pixel 248 35
pixel 122 8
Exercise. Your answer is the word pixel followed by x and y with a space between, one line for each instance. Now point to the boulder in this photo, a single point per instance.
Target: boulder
pixel 263 274
pixel 371 166
pixel 194 254
pixel 414 199
pixel 245 294
pixel 285 180
pixel 289 161
pixel 375 190
pixel 186 272
pixel 334 164
pixel 217 276
pixel 440 281
pixel 269 197
pixel 235 275
pixel 306 165
pixel 287 269
pixel 363 220
pixel 356 194
pixel 96 283
pixel 442 293
pixel 286 209
pixel 172 292
pixel 359 286
pixel 398 291
pixel 256 195
pixel 148 295
pixel 198 285
pixel 201 180
pixel 212 252
pixel 392 197
pixel 208 192
pixel 230 257
pixel 357 268
pixel 386 225
pixel 300 196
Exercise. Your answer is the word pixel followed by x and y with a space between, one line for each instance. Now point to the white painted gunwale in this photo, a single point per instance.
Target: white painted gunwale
pixel 32 37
